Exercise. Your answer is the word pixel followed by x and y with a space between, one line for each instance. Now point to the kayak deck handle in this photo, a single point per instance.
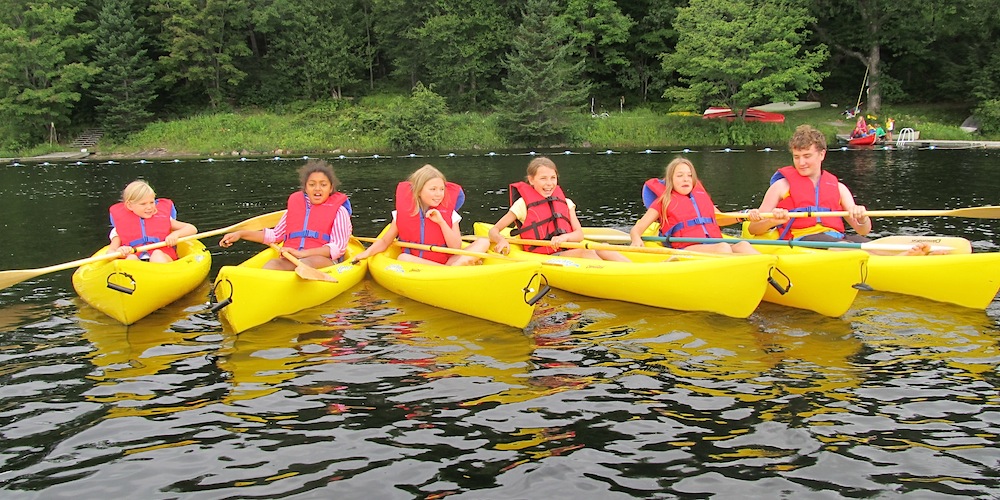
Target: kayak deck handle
pixel 862 285
pixel 218 305
pixel 777 286
pixel 122 288
pixel 543 288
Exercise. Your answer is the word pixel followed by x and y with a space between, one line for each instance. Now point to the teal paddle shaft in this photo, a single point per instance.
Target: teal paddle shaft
pixel 794 243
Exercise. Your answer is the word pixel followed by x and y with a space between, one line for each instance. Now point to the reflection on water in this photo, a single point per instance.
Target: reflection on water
pixel 373 395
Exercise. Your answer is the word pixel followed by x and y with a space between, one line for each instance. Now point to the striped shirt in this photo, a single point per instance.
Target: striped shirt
pixel 340 233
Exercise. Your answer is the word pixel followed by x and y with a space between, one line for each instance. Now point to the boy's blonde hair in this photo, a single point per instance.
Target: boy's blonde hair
pixel 806 136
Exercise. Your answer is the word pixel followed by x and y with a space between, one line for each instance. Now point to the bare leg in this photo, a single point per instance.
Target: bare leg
pixel 279 265
pixel 612 255
pixel 480 245
pixel 160 256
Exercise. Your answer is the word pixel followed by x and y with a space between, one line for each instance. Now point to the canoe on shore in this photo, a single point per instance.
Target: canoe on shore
pixel 129 290
pixel 247 295
pixel 732 286
pixel 499 290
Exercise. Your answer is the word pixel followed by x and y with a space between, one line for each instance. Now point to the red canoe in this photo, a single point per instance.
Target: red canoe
pixel 866 140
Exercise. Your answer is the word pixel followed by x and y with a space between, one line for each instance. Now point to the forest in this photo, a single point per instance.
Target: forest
pixel 68 65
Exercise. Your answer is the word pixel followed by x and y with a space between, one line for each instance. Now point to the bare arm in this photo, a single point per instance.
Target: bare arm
pixel 499 243
pixel 575 235
pixel 861 223
pixel 452 233
pixel 380 244
pixel 761 225
pixel 230 238
pixel 641 225
pixel 178 230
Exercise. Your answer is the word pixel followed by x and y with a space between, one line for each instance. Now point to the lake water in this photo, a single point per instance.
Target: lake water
pixel 374 396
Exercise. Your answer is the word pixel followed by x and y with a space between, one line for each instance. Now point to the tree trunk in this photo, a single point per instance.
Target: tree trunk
pixel 874 91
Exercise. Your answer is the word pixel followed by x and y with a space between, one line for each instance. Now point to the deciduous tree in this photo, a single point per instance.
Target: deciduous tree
pixel 740 53
pixel 204 41
pixel 42 66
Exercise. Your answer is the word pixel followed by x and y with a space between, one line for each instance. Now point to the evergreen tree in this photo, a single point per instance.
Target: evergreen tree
pixel 543 85
pixel 125 88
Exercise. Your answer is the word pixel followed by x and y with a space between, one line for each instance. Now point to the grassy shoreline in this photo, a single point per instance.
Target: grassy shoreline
pixel 318 130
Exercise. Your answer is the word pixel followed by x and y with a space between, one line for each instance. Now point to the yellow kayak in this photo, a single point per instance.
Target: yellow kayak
pixel 969 280
pixel 499 290
pixel 732 286
pixel 821 281
pixel 966 279
pixel 247 295
pixel 128 290
pixel 815 280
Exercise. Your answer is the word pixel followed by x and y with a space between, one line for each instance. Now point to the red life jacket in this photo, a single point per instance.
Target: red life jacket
pixel 308 225
pixel 135 231
pixel 691 216
pixel 805 197
pixel 415 228
pixel 546 216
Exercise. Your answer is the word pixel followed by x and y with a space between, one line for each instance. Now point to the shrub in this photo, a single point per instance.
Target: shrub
pixel 988 114
pixel 417 124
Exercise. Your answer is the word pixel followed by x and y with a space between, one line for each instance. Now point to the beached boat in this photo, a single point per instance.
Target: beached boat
pixel 751 115
pixel 247 295
pixel 500 290
pixel 128 290
pixel 732 286
pixel 865 140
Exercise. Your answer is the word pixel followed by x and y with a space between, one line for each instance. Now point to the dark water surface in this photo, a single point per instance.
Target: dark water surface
pixel 374 396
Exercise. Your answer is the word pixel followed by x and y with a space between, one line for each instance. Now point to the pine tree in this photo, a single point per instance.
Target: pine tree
pixel 125 88
pixel 543 85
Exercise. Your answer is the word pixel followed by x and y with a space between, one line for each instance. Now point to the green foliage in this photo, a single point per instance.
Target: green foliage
pixel 738 54
pixel 314 49
pixel 204 42
pixel 42 66
pixel 600 32
pixel 125 88
pixel 417 124
pixel 988 114
pixel 462 46
pixel 543 86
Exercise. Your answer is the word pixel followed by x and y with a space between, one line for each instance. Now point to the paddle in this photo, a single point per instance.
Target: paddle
pixel 305 271
pixel 436 248
pixel 617 248
pixel 896 243
pixel 984 212
pixel 15 276
pixel 889 243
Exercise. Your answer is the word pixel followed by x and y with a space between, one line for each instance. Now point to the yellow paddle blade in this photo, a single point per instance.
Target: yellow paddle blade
pixel 303 270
